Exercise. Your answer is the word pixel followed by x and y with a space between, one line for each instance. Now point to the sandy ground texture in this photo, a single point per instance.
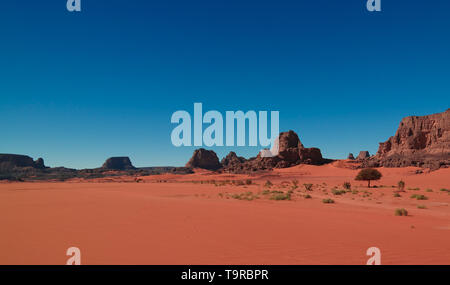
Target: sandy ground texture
pixel 207 218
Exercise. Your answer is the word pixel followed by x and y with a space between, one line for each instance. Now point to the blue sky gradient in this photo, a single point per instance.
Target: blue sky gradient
pixel 76 88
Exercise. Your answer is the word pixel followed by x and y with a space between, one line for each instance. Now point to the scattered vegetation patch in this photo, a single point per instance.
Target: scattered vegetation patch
pixel 248 196
pixel 338 192
pixel 281 196
pixel 429 190
pixel 328 201
pixel 421 207
pixel 397 195
pixel 415 189
pixel 307 196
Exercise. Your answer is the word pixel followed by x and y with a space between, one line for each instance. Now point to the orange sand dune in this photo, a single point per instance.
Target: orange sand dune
pixel 187 219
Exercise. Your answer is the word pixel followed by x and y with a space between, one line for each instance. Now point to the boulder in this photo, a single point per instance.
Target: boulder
pixel 206 159
pixel 118 163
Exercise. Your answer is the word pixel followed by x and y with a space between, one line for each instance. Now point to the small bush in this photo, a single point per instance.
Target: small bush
pixel 419 197
pixel 308 186
pixel 338 192
pixel 421 207
pixel 347 185
pixel 429 190
pixel 397 195
pixel 415 189
pixel 280 197
pixel 307 196
pixel 401 212
pixel 328 201
pixel 401 185
pixel 268 184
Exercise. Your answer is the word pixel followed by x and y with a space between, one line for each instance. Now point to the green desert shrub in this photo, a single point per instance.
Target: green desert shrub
pixel 401 185
pixel 347 185
pixel 338 192
pixel 419 197
pixel 279 197
pixel 328 201
pixel 308 186
pixel 307 196
pixel 421 207
pixel 401 212
pixel 397 195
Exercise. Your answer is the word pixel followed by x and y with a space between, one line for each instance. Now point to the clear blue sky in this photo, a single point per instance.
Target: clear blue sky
pixel 77 88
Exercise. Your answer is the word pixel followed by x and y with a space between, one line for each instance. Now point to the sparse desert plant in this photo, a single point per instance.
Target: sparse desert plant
pixel 248 182
pixel 249 196
pixel 295 184
pixel 238 182
pixel 368 174
pixel 419 197
pixel 307 196
pixel 429 190
pixel 415 189
pixel 265 192
pixel 338 192
pixel 308 186
pixel 397 195
pixel 355 192
pixel 328 201
pixel 347 185
pixel 444 190
pixel 421 207
pixel 401 185
pixel 280 196
pixel 268 184
pixel 401 212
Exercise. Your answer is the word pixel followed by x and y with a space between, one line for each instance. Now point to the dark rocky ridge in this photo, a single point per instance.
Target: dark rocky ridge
pixel 9 161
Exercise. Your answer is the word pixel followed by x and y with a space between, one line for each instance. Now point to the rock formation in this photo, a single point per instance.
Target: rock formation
pixel 363 155
pixel 291 152
pixel 422 141
pixel 118 163
pixel 350 156
pixel 9 161
pixel 206 159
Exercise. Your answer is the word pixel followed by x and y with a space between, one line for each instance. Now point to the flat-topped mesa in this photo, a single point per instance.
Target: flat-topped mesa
pixel 118 163
pixel 422 141
pixel 9 161
pixel 205 159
